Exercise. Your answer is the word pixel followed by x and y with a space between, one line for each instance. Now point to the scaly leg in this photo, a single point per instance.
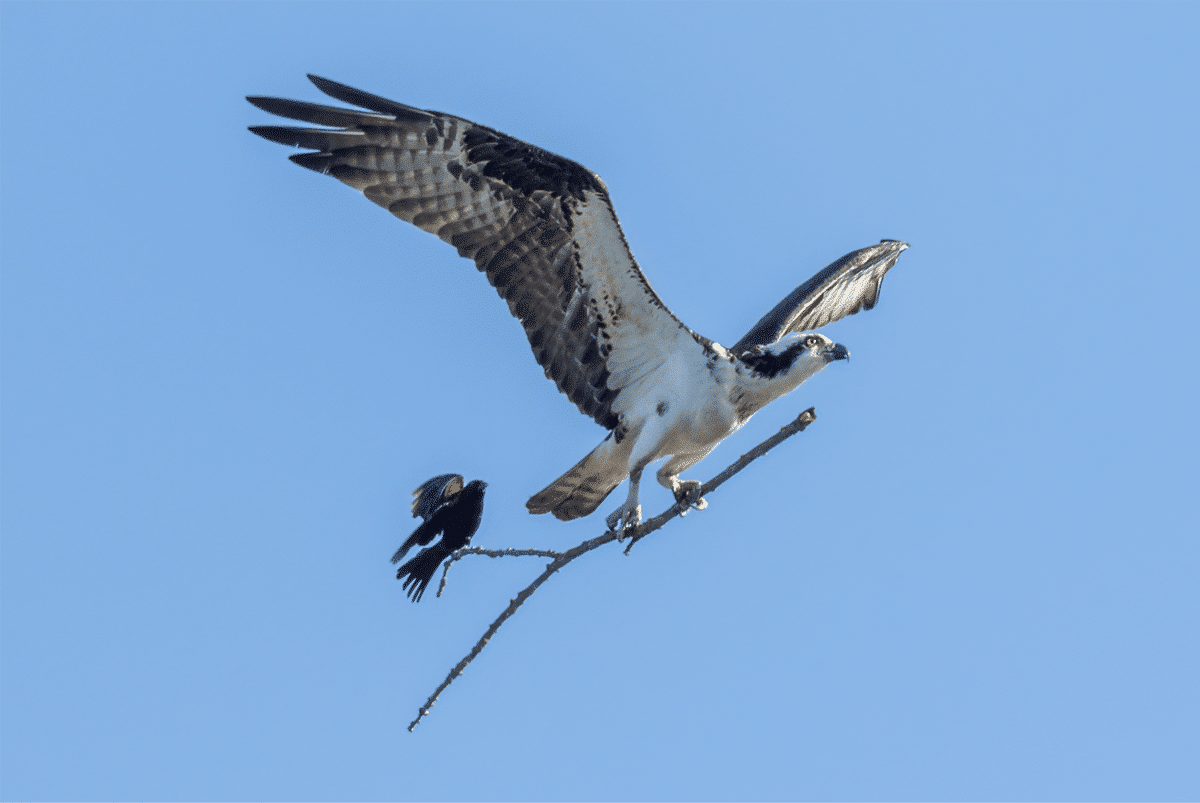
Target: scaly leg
pixel 687 492
pixel 628 515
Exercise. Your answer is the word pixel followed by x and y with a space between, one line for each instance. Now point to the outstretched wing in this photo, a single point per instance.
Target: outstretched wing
pixel 541 228
pixel 845 287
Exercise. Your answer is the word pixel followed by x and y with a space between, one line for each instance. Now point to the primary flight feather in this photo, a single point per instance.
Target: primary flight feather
pixel 543 230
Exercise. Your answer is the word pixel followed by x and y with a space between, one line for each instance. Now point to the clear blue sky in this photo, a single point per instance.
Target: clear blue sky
pixel 975 577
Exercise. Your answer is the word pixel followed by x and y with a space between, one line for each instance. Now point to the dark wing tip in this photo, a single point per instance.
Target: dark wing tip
pixel 365 100
pixel 283 135
pixel 264 102
pixel 318 162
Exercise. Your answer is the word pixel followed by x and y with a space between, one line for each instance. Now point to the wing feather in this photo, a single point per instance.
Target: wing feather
pixel 540 226
pixel 850 284
pixel 316 113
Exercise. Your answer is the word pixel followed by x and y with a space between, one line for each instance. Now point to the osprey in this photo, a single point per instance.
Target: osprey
pixel 543 231
pixel 449 509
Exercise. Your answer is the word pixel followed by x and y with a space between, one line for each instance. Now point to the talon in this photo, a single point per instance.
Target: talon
pixel 687 497
pixel 624 518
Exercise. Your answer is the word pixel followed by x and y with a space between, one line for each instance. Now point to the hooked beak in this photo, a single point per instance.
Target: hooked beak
pixel 837 352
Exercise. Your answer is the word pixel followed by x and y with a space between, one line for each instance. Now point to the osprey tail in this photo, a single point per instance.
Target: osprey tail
pixel 581 490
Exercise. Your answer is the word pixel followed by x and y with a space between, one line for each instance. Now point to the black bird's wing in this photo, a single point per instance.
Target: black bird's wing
pixel 427 531
pixel 541 227
pixel 433 496
pixel 435 492
pixel 848 285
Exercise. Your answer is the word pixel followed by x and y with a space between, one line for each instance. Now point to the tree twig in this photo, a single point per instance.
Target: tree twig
pixel 800 424
pixel 492 553
pixel 561 559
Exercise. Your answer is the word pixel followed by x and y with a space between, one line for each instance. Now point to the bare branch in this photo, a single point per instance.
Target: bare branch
pixel 513 605
pixel 492 553
pixel 561 559
pixel 798 425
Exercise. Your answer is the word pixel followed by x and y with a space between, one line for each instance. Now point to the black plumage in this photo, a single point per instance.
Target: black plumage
pixel 449 509
pixel 432 494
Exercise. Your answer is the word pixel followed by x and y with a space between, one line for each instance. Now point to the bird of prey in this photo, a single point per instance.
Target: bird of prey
pixel 449 509
pixel 543 230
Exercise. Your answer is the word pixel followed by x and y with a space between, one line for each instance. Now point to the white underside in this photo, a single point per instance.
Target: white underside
pixel 701 407
pixel 675 400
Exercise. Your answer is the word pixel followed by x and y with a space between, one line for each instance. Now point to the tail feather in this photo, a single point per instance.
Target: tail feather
pixel 420 570
pixel 581 490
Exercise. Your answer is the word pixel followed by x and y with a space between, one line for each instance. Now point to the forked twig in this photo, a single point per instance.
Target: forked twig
pixel 561 559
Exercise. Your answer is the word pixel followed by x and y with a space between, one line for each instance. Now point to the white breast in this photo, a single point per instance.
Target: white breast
pixel 686 409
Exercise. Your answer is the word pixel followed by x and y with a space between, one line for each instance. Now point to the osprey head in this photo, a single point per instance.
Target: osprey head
pixel 805 352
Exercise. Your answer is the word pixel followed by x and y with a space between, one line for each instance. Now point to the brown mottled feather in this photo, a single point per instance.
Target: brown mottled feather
pixel 581 490
pixel 501 202
pixel 542 229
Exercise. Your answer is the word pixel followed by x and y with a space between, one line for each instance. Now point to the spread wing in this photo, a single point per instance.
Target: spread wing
pixel 541 228
pixel 435 492
pixel 845 287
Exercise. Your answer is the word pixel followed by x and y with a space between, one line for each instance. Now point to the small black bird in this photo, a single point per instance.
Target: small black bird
pixel 448 508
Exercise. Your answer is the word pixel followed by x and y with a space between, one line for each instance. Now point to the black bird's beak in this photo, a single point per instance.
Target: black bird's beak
pixel 837 352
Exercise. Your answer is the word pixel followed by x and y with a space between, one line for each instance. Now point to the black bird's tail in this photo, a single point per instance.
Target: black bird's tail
pixel 420 570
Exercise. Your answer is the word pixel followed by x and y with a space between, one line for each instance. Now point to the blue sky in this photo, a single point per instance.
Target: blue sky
pixel 974 577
